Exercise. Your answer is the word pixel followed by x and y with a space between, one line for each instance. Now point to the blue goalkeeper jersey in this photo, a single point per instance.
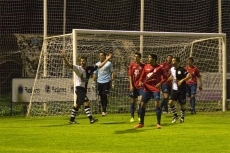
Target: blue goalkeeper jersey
pixel 104 73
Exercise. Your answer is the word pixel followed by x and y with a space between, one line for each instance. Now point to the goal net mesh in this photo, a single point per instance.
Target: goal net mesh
pixel 54 80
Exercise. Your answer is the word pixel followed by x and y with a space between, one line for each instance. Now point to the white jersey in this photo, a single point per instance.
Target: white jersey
pixel 178 74
pixel 80 76
pixel 174 81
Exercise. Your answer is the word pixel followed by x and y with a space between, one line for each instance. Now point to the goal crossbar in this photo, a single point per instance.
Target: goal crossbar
pixel 147 33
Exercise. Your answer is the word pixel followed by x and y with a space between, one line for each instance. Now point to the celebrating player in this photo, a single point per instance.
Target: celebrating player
pixel 179 76
pixel 167 86
pixel 135 69
pixel 151 78
pixel 192 83
pixel 104 76
pixel 83 72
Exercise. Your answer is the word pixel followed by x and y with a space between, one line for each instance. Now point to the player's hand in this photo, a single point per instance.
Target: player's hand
pixel 109 56
pixel 180 82
pixel 93 85
pixel 113 84
pixel 200 88
pixel 131 88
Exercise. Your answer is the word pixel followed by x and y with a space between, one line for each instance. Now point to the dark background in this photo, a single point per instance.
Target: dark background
pixel 26 17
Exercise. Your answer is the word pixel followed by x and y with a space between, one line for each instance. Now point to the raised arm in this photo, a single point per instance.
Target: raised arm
pixel 74 68
pixel 103 63
pixel 66 61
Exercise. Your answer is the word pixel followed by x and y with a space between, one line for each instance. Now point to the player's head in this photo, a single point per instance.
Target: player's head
pixel 137 56
pixel 190 61
pixel 102 56
pixel 175 61
pixel 169 58
pixel 83 61
pixel 152 58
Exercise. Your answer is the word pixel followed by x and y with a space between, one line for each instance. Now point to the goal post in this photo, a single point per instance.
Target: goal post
pixel 208 50
pixel 190 41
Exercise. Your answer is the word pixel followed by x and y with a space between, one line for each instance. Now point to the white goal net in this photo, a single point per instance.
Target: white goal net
pixel 55 81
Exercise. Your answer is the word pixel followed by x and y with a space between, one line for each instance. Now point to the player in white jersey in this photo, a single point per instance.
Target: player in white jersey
pixel 83 73
pixel 179 76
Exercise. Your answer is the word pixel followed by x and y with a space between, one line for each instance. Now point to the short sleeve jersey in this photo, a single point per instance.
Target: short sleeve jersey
pixel 104 73
pixel 167 66
pixel 178 74
pixel 82 78
pixel 195 73
pixel 135 73
pixel 151 76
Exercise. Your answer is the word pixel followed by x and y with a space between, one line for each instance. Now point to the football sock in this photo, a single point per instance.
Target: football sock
pixel 132 108
pixel 139 109
pixel 158 114
pixel 104 100
pixel 193 101
pixel 73 113
pixel 182 113
pixel 162 103
pixel 88 112
pixel 166 104
pixel 142 115
pixel 173 109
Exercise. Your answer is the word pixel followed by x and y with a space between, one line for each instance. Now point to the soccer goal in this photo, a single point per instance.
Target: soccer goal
pixel 55 81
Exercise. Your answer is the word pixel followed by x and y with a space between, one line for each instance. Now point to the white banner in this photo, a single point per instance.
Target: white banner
pixel 49 89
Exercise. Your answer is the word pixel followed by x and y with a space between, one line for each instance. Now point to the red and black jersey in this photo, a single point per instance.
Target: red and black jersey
pixel 195 73
pixel 151 76
pixel 167 66
pixel 135 71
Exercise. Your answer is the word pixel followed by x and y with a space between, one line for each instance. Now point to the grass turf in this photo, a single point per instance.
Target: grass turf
pixel 203 132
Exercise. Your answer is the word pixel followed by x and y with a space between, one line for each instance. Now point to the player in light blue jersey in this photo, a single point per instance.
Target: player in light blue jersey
pixel 105 78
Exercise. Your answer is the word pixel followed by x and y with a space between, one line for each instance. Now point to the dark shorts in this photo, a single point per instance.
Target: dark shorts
pixel 81 95
pixel 166 88
pixel 103 88
pixel 147 95
pixel 191 89
pixel 135 93
pixel 178 95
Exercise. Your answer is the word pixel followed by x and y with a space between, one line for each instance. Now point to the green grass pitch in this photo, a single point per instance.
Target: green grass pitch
pixel 200 133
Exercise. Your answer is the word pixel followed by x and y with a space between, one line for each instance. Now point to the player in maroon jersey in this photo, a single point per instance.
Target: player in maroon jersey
pixel 151 78
pixel 167 86
pixel 191 84
pixel 135 69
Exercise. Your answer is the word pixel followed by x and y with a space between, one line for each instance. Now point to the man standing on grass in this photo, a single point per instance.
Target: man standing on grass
pixel 167 86
pixel 151 78
pixel 179 76
pixel 134 72
pixel 83 73
pixel 104 77
pixel 192 83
